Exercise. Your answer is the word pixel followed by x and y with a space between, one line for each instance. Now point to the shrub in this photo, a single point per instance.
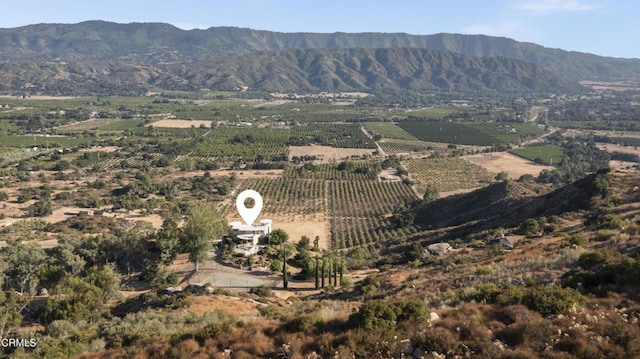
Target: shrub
pixel 438 340
pixel 375 314
pixel 303 323
pixel 261 291
pixel 413 309
pixel 529 227
pixel 578 239
pixel 550 300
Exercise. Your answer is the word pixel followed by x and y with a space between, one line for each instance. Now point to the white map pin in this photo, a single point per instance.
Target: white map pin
pixel 249 215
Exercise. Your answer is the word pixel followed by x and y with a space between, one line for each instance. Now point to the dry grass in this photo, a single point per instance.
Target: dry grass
pixel 515 166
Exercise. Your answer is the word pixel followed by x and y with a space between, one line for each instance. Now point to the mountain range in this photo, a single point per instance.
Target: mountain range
pixel 156 54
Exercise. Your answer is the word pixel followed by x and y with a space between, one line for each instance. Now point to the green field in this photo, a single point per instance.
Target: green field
pixel 334 135
pixel 544 154
pixel 388 130
pixel 435 112
pixel 478 134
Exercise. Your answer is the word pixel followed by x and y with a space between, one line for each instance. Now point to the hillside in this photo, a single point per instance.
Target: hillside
pixel 507 204
pixel 299 70
pixel 154 43
pixel 368 69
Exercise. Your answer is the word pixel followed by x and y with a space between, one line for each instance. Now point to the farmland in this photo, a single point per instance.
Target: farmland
pixel 394 147
pixel 447 174
pixel 388 130
pixel 119 188
pixel 543 154
pixel 479 134
pixel 514 166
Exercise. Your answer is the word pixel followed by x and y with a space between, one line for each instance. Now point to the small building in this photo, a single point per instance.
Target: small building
pixel 508 241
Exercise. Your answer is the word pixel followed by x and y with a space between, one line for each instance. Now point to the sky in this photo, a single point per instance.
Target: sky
pixel 602 27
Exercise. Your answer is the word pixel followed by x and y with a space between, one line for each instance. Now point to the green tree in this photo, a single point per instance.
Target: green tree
pixel 278 236
pixel 317 270
pixel 529 227
pixel 23 262
pixel 285 275
pixel 11 306
pixel 44 205
pixel 203 225
pixel 430 194
pixel 416 252
pixel 84 298
pixel 304 244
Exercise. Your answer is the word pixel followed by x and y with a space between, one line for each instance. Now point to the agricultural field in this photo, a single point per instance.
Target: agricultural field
pixel 86 125
pixel 436 112
pixel 328 153
pixel 367 198
pixel 181 123
pixel 124 125
pixel 44 141
pixel 10 155
pixel 347 170
pixel 514 166
pixel 478 134
pixel 372 231
pixel 397 147
pixel 542 153
pixel 447 174
pixel 626 141
pixel 388 130
pixel 244 144
pixel 289 197
pixel 333 134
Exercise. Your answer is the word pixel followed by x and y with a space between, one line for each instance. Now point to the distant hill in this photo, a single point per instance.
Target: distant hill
pixel 306 70
pixel 156 43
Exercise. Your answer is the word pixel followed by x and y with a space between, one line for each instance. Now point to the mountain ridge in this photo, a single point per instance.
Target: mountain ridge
pixel 155 43
pixel 308 70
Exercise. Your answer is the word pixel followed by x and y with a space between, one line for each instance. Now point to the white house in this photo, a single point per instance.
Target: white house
pixel 250 235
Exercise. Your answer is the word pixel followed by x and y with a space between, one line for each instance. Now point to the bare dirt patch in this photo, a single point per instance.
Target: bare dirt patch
pixel 240 174
pixel 389 175
pixel 609 147
pixel 515 166
pixel 623 85
pixel 623 165
pixel 181 123
pixel 108 149
pixel 326 153
pixel 90 124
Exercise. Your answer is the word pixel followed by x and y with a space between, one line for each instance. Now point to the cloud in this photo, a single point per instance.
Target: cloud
pixel 545 7
pixel 509 28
